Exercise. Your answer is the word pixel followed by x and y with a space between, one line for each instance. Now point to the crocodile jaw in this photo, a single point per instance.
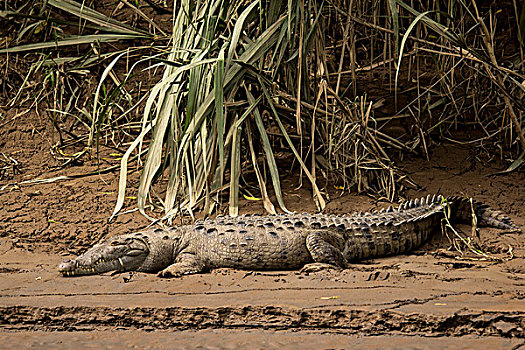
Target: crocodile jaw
pixel 120 253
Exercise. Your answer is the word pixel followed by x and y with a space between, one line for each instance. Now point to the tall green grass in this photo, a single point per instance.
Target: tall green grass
pixel 229 54
pixel 325 82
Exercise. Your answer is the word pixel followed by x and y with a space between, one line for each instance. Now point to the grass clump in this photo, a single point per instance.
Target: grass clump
pixel 344 89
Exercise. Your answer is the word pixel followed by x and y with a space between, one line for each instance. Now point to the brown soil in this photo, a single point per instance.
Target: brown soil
pixel 396 302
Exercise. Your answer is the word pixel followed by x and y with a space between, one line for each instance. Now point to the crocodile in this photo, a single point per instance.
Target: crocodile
pixel 281 242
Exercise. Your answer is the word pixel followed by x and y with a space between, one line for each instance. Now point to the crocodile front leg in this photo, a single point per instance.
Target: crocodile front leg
pixel 186 264
pixel 323 247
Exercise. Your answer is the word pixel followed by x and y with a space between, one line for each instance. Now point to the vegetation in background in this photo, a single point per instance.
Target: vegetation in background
pixel 343 88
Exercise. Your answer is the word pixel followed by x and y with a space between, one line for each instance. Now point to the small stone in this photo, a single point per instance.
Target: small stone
pixel 504 327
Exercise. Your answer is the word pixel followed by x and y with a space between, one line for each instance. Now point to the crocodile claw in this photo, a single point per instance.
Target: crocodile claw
pixel 316 267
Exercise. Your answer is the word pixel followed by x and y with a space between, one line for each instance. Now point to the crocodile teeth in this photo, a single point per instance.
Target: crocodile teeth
pixel 428 199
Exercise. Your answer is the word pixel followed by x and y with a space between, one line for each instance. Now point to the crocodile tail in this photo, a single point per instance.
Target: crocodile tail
pixel 461 211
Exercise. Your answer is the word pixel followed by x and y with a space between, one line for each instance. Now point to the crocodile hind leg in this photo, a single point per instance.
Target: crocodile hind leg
pixel 186 264
pixel 323 249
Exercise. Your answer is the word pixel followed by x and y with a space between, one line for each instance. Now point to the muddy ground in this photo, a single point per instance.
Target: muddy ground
pixel 426 299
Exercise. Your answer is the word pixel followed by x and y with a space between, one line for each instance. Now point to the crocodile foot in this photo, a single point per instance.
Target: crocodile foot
pixel 169 273
pixel 316 267
pixel 177 270
pixel 187 265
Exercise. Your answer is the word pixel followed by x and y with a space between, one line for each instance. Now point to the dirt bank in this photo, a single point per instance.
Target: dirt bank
pixel 389 302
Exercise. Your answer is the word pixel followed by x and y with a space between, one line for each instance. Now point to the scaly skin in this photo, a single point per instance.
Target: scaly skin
pixel 279 241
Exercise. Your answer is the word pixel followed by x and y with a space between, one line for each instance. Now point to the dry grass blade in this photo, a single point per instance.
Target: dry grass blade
pixel 72 41
pixel 270 209
pixel 235 171
pixel 465 246
pixel 321 203
pixel 124 172
pixel 88 14
pixel 272 165
pixel 402 47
